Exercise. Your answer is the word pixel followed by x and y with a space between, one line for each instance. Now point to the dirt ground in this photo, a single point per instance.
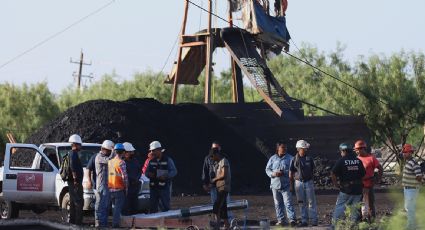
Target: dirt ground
pixel 260 207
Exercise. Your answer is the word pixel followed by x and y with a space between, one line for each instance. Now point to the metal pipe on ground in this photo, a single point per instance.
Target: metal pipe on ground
pixel 192 211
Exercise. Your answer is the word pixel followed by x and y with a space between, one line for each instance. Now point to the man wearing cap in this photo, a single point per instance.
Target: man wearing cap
pixel 102 190
pixel 161 170
pixel 301 170
pixel 350 171
pixel 277 169
pixel 134 173
pixel 412 178
pixel 75 181
pixel 117 183
pixel 370 163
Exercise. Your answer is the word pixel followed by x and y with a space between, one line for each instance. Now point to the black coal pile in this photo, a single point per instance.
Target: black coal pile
pixel 185 131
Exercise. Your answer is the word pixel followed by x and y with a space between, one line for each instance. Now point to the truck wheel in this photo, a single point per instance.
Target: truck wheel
pixel 8 209
pixel 65 207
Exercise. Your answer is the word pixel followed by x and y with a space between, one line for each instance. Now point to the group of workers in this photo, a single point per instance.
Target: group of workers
pixel 116 174
pixel 353 174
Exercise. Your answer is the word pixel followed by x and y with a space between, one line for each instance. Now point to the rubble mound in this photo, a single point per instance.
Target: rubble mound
pixel 322 173
pixel 185 131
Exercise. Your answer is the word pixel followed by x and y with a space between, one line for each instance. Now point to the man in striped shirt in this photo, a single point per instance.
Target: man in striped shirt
pixel 412 177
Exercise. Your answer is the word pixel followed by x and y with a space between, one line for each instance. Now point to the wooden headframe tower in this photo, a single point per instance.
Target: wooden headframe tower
pixel 195 53
pixel 200 47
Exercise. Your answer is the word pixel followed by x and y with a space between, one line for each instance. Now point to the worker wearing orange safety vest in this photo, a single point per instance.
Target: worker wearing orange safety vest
pixel 117 182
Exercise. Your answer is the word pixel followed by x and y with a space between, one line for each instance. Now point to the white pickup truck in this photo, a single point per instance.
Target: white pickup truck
pixel 29 179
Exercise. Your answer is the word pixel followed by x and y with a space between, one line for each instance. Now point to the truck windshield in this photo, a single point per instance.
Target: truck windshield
pixel 85 154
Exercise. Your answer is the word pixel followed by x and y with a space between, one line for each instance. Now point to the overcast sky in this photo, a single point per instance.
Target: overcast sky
pixel 131 36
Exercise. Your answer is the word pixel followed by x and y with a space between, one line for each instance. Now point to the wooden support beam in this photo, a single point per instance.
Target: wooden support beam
pixel 237 83
pixel 179 56
pixel 210 40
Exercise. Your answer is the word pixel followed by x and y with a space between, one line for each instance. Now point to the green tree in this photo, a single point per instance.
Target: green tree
pixel 390 90
pixel 25 108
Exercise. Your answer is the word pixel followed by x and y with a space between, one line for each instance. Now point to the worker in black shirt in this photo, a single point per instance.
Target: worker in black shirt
pixel 75 182
pixel 350 171
pixel 301 175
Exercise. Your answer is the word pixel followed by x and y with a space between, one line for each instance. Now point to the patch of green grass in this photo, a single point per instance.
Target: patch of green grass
pixel 396 221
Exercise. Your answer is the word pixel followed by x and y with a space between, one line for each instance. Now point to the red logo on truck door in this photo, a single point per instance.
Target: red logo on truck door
pixel 30 182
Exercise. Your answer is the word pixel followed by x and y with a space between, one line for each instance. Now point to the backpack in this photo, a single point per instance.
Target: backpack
pixel 64 171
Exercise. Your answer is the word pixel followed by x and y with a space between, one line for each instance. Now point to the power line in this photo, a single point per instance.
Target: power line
pixel 366 95
pixel 56 34
pixel 375 99
pixel 317 107
pixel 335 78
pixel 163 66
pixel 203 9
pixel 225 20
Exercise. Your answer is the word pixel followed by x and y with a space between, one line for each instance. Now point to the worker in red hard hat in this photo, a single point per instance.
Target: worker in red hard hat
pixel 370 163
pixel 412 178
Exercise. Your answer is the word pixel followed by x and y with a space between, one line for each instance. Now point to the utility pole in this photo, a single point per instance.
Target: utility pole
pixel 79 76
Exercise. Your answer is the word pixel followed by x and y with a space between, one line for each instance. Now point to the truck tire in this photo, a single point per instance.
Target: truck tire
pixel 8 209
pixel 65 207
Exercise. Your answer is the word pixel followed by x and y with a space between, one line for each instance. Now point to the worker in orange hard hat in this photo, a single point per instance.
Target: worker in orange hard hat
pixel 370 163
pixel 412 178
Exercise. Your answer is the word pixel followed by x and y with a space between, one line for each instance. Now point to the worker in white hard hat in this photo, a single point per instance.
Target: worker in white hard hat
pixel 301 172
pixel 106 145
pixel 134 174
pixel 161 170
pixel 102 191
pixel 75 181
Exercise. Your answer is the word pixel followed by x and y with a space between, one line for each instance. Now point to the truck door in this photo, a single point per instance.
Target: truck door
pixel 29 176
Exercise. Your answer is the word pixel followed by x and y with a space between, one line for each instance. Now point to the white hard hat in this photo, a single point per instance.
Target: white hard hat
pixel 75 138
pixel 302 144
pixel 155 145
pixel 128 147
pixel 107 144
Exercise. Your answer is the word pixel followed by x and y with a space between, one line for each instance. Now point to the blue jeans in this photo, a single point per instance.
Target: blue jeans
pixel 159 195
pixel 76 203
pixel 283 201
pixel 117 199
pixel 347 201
pixel 131 200
pixel 102 207
pixel 213 193
pixel 306 200
pixel 410 198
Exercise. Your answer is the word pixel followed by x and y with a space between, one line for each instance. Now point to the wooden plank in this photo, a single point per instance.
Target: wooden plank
pixel 191 44
pixel 190 67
